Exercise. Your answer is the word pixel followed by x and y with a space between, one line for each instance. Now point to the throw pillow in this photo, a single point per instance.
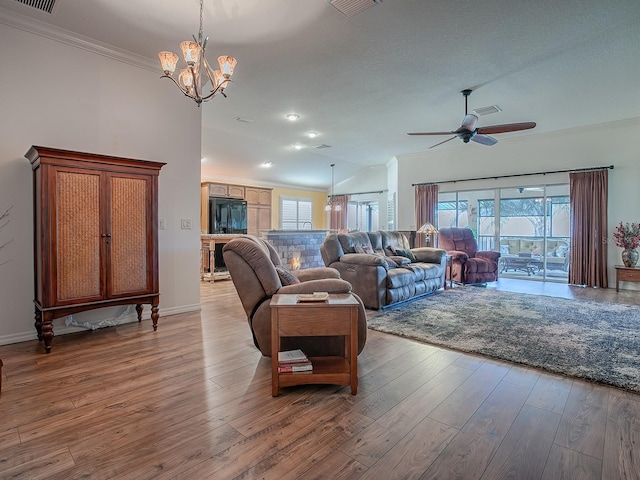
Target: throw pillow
pixel 562 251
pixel 363 249
pixel 286 277
pixel 392 250
pixel 406 253
pixel 504 249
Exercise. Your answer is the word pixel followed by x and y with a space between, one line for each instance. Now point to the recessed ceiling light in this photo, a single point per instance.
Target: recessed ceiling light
pixel 267 164
pixel 298 146
pixel 312 134
pixel 292 117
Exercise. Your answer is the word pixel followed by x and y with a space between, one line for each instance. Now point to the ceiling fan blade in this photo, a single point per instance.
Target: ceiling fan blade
pixel 507 127
pixel 469 123
pixel 431 133
pixel 447 140
pixel 484 139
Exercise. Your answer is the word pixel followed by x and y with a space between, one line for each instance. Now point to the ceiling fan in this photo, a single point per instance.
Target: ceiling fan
pixel 468 130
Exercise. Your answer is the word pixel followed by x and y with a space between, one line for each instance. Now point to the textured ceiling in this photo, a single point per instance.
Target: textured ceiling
pixel 363 82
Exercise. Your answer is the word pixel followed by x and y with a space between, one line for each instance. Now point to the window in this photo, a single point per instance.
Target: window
pixel 391 212
pixel 295 213
pixel 527 220
pixel 363 216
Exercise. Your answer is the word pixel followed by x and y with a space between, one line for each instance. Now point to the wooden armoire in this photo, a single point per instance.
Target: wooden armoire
pixel 95 234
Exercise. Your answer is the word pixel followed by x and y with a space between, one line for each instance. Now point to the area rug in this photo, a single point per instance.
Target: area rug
pixel 595 341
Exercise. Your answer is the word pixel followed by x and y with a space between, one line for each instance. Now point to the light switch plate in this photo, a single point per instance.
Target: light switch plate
pixel 162 223
pixel 185 223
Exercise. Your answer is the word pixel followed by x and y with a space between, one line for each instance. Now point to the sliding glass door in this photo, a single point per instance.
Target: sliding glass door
pixel 528 225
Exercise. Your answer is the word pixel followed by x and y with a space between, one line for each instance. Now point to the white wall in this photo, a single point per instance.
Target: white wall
pixel 612 143
pixel 68 97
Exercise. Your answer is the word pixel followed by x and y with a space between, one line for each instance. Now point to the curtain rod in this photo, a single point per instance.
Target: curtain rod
pixel 610 167
pixel 358 193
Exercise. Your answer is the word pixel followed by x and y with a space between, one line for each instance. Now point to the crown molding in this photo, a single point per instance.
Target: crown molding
pixel 253 182
pixel 51 32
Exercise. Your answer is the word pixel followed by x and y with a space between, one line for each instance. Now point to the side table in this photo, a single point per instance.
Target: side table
pixel 626 274
pixel 449 272
pixel 337 316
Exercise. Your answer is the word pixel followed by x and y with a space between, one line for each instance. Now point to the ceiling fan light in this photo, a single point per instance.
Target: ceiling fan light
pixel 327 207
pixel 168 61
pixel 337 208
pixel 190 52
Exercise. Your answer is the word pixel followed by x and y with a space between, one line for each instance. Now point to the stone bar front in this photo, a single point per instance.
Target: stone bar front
pixel 297 248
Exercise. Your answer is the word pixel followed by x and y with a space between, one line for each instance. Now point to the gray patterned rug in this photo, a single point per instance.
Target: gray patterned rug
pixel 595 341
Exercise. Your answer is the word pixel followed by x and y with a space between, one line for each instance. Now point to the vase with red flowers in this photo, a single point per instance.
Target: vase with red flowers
pixel 627 236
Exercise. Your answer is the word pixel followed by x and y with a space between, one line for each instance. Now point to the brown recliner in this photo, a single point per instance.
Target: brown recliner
pixel 468 264
pixel 252 265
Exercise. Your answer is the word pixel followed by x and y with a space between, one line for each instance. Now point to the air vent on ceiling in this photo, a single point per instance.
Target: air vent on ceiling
pixel 44 5
pixel 321 146
pixel 350 8
pixel 487 110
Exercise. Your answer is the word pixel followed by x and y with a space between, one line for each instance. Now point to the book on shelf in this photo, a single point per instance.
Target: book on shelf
pixel 292 356
pixel 302 367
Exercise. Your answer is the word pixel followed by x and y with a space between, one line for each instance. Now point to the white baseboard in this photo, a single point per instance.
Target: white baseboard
pixel 127 318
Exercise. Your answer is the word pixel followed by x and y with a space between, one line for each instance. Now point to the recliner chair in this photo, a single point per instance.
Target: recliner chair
pixel 252 264
pixel 468 264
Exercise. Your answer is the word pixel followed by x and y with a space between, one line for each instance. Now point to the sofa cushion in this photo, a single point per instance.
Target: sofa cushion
pixel 400 277
pixel 388 261
pixel 286 277
pixel 399 259
pixel 348 241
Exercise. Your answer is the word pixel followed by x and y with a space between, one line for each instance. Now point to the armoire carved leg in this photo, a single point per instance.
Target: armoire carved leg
pixel 154 316
pixel 38 324
pixel 139 311
pixel 47 334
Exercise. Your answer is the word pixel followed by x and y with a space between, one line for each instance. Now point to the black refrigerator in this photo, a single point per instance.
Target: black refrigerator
pixel 227 215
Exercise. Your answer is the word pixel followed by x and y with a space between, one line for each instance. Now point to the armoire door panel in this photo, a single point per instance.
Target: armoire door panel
pixel 78 241
pixel 129 231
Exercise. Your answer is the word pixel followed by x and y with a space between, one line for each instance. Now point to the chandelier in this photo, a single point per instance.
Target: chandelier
pixel 191 77
pixel 330 205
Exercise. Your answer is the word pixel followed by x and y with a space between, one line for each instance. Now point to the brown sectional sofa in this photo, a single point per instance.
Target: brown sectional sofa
pixel 381 278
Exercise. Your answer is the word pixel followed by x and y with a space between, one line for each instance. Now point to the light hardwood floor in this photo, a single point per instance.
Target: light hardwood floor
pixel 193 400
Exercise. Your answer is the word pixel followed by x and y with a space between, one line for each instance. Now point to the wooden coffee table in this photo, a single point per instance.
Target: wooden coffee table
pixel 337 316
